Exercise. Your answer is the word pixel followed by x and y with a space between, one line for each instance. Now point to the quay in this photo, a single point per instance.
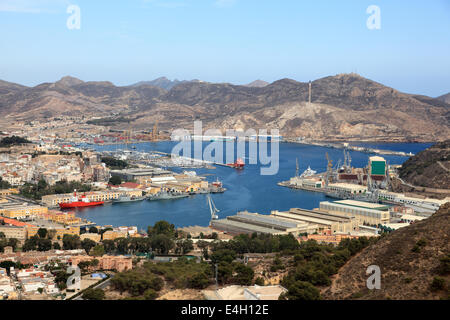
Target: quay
pixel 346 146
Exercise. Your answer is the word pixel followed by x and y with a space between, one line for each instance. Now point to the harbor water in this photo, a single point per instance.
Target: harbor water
pixel 247 189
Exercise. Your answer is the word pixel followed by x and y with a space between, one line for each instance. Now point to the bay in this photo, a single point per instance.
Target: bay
pixel 246 189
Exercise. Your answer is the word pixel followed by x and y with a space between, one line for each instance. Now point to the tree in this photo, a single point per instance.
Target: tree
pixel 109 245
pixel 2 235
pixel 223 255
pixel 244 274
pixel 98 251
pixel 150 294
pixel 162 227
pixel 4 184
pixel 56 246
pixel 115 180
pixel 301 290
pixel 93 294
pixel 87 245
pixel 44 245
pixel 42 233
pixel 224 272
pixel 184 246
pixel 71 242
pixel 93 230
pixel 7 265
pixel 162 243
pixel 199 281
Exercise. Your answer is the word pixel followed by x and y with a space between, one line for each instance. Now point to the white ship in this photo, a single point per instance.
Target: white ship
pixel 308 173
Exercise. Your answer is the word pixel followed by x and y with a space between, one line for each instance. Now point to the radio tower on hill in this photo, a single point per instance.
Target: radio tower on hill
pixel 309 99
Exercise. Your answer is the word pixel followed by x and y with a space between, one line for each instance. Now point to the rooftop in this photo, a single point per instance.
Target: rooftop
pixel 363 204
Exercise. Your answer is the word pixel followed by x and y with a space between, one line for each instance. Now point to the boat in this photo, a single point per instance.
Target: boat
pixel 124 198
pixel 79 202
pixel 166 195
pixel 308 173
pixel 238 164
pixel 217 187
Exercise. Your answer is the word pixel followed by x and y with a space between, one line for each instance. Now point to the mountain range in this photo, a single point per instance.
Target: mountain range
pixel 343 107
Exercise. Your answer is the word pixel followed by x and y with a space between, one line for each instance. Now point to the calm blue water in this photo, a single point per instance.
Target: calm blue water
pixel 246 189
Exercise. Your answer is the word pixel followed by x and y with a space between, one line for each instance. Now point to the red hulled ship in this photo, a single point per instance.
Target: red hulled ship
pixel 238 164
pixel 78 202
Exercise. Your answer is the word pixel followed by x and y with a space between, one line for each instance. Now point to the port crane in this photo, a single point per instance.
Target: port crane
pixel 212 208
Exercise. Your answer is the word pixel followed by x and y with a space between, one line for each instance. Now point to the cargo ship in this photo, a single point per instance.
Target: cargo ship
pixel 79 202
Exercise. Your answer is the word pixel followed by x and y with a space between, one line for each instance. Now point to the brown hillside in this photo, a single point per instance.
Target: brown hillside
pixel 344 107
pixel 429 168
pixel 409 259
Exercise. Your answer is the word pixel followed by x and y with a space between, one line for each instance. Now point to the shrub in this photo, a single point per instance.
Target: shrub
pixel 93 294
pixel 150 294
pixel 301 290
pixel 437 284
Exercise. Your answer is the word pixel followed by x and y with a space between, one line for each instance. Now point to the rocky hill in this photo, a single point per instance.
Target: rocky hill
pixel 429 168
pixel 345 106
pixel 445 98
pixel 414 263
pixel 257 83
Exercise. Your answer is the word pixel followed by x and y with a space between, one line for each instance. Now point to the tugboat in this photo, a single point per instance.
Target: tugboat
pixel 217 187
pixel 77 202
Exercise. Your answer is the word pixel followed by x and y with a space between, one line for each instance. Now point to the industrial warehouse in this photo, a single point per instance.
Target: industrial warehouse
pixel 344 217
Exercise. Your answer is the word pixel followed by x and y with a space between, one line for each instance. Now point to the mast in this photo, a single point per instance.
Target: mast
pixel 296 167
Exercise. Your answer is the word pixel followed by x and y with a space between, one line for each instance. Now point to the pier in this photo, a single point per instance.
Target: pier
pixel 346 146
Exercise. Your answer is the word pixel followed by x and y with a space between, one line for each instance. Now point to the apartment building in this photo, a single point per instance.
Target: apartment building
pixel 21 211
pixel 15 232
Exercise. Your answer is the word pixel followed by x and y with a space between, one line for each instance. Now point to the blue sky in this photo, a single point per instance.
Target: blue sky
pixel 234 41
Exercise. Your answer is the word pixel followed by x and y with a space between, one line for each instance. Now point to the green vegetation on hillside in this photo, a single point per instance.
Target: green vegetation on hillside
pixel 42 188
pixel 4 184
pixel 115 164
pixel 12 141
